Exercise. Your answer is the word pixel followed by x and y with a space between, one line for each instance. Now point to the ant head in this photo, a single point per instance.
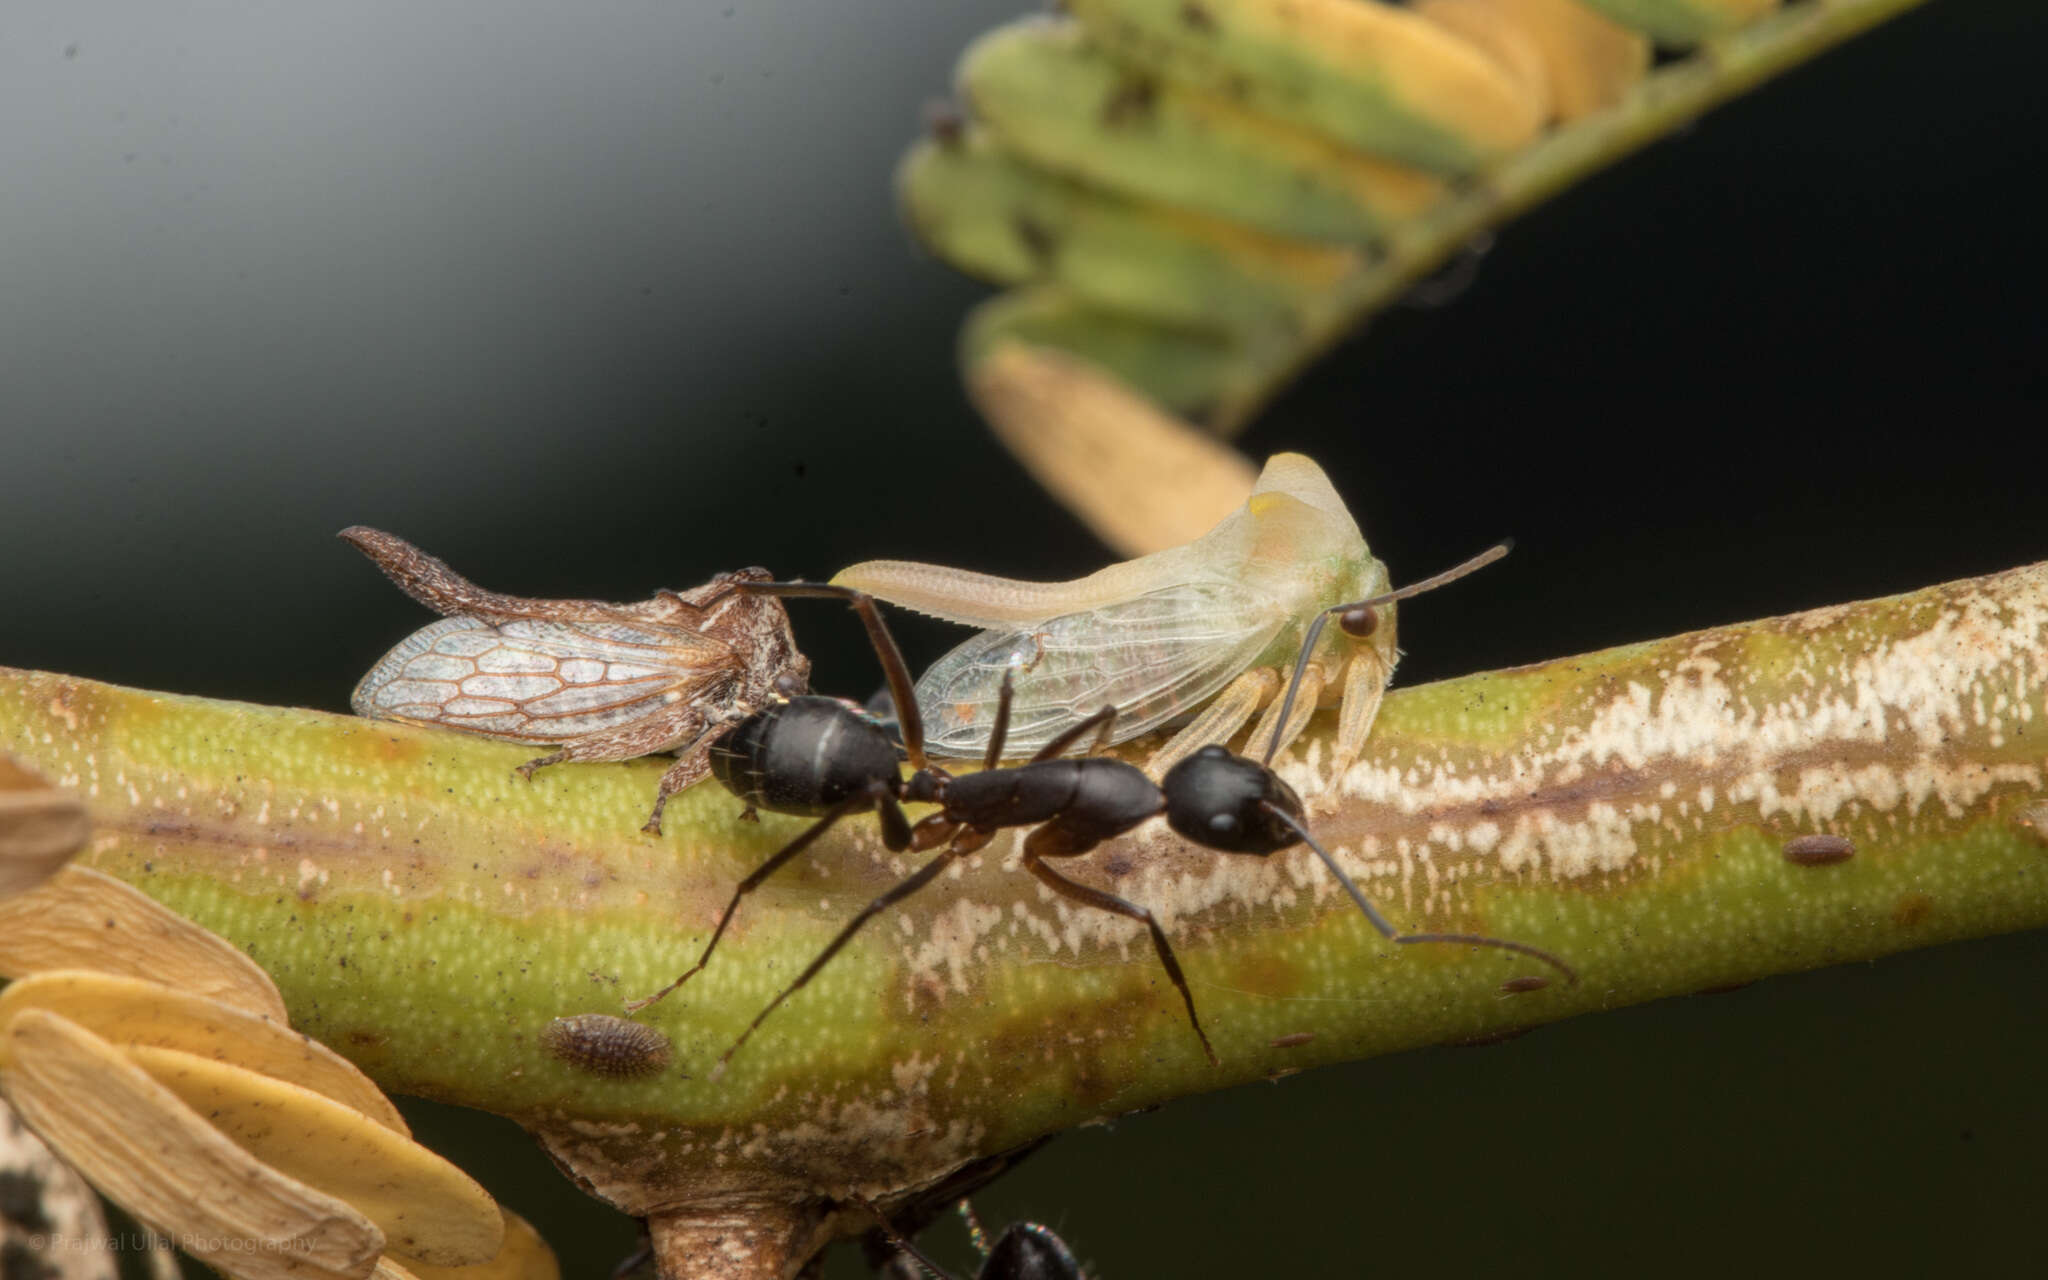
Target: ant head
pixel 1227 803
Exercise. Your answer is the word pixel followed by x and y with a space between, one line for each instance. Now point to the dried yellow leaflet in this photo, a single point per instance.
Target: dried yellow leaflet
pixel 524 1256
pixel 426 1207
pixel 130 1011
pixel 40 828
pixel 83 919
pixel 148 1152
pixel 1141 479
pixel 1588 61
pixel 1477 22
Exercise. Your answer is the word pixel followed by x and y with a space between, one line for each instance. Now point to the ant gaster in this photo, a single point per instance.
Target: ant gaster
pixel 819 756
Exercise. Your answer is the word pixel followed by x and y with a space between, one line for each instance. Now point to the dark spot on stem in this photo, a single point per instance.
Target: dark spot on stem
pixel 1911 909
pixel 2033 823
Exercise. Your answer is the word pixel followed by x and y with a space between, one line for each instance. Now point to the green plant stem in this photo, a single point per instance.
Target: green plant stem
pixel 427 912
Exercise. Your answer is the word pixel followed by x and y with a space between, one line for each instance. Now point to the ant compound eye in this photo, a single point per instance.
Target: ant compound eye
pixel 789 686
pixel 1359 622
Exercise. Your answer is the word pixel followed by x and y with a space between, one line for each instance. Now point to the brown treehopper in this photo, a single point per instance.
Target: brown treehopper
pixel 596 681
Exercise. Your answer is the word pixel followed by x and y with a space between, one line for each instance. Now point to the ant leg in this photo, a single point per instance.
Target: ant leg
pixel 931 831
pixel 1035 863
pixel 1391 934
pixel 895 827
pixel 894 668
pixel 910 884
pixel 1101 722
pixel 976 1235
pixel 642 1254
pixel 748 885
pixel 999 733
pixel 900 1242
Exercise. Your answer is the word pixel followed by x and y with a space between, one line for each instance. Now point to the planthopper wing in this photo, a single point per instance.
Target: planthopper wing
pixel 530 680
pixel 1154 657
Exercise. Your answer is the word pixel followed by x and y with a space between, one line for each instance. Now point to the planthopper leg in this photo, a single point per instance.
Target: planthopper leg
pixel 680 722
pixel 1219 721
pixel 1300 710
pixel 1365 684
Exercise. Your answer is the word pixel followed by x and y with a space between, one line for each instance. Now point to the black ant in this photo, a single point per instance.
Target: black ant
pixel 1024 1251
pixel 817 755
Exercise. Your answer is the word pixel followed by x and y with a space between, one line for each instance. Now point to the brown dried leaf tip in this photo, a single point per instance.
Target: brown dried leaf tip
pixel 194 1106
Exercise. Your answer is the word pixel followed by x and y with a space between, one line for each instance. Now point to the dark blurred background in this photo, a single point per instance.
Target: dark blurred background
pixel 593 298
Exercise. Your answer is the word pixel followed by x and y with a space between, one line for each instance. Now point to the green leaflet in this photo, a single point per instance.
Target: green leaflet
pixel 1052 95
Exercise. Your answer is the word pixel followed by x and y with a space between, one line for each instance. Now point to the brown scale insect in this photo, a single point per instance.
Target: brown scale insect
pixel 1819 850
pixel 596 681
pixel 604 1045
pixel 1292 1040
pixel 1528 982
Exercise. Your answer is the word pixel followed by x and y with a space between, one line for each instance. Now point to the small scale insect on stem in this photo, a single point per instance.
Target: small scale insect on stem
pixel 822 756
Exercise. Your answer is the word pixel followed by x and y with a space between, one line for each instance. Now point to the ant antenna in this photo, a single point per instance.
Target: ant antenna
pixel 1388 931
pixel 975 1235
pixel 1315 629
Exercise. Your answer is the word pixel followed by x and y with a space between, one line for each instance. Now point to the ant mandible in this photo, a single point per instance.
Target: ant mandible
pixel 813 755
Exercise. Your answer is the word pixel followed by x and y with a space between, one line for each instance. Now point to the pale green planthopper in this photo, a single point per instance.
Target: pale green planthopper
pixel 1220 620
